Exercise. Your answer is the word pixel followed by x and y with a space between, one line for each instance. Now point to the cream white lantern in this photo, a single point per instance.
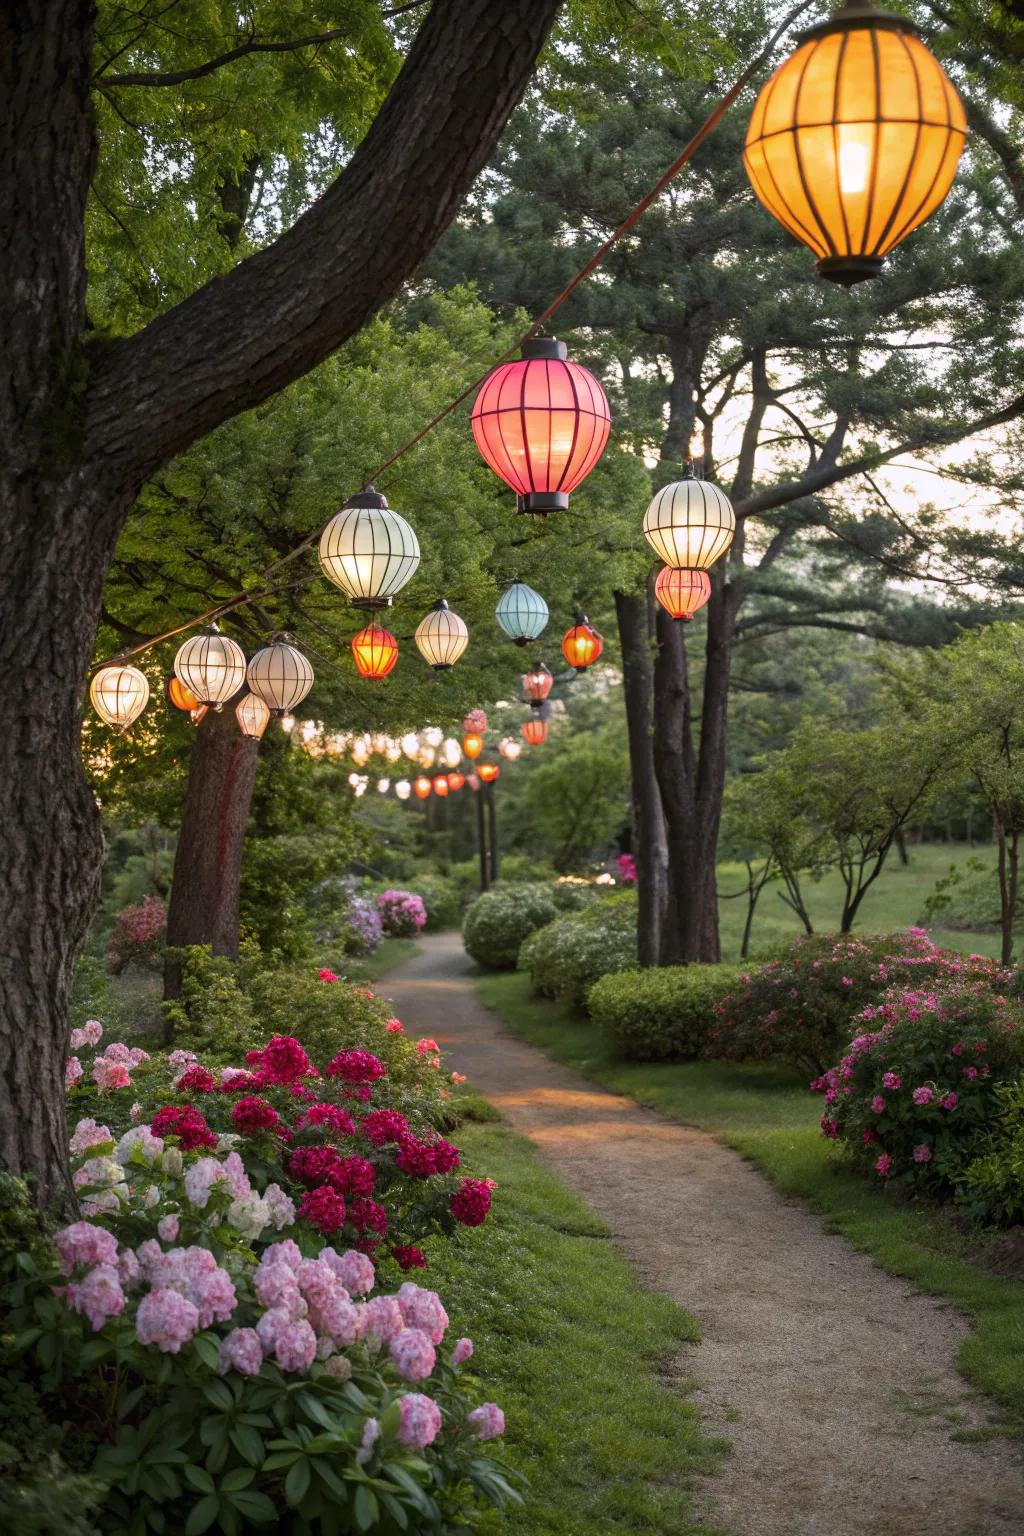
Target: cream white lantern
pixel 425 757
pixel 383 785
pixel 403 789
pixel 410 744
pixel 690 524
pixel 432 736
pixel 510 748
pixel 441 637
pixel 119 694
pixel 252 715
pixel 369 551
pixel 451 752
pixel 281 676
pixel 212 665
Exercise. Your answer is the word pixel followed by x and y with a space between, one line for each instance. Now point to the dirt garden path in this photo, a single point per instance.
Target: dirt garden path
pixel 833 1381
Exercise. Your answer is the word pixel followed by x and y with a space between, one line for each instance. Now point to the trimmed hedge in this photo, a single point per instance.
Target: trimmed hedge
pixel 498 921
pixel 663 1012
pixel 565 958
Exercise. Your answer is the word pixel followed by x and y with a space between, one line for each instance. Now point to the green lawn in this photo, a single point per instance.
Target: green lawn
pixel 391 954
pixel 571 1346
pixel 769 1116
pixel 896 900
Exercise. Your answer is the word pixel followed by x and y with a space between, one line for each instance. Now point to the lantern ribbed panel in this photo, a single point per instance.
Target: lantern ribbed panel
pixel 682 593
pixel 375 651
pixel 472 744
pixel 119 694
pixel 212 666
pixel 537 683
pixel 488 772
pixel 369 552
pixel 441 785
pixel 582 645
pixel 522 612
pixel 535 730
pixel 854 141
pixel 281 676
pixel 253 716
pixel 180 697
pixel 541 423
pixel 690 523
pixel 441 637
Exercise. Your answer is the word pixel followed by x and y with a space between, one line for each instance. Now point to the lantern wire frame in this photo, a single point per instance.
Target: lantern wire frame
pixel 281 676
pixel 119 693
pixel 690 523
pixel 441 637
pixel 211 666
pixel 369 551
pixel 682 593
pixel 522 613
pixel 253 716
pixel 375 651
pixel 537 684
pixel 581 644
pixel 535 730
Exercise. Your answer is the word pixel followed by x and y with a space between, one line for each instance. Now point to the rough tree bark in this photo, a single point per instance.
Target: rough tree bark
pixel 635 623
pixel 83 425
pixel 205 891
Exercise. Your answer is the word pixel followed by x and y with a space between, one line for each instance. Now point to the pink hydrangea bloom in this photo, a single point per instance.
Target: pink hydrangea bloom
pixel 949 1102
pixel 922 1095
pixel 110 1075
pixel 878 1104
pixel 241 1351
pixel 286 1252
pixel 295 1346
pixel 413 1354
pixel 883 1164
pixel 354 1270
pixel 488 1421
pixel 213 1295
pixel 275 1286
pixel 923 1153
pixel 420 1422
pixel 383 1318
pixel 370 1436
pixel 422 1309
pixel 88 1133
pixel 200 1179
pixel 179 1059
pixel 462 1352
pixel 91 1032
pixel 891 1080
pixel 394 1026
pixel 99 1295
pixel 167 1229
pixel 82 1243
pixel 73 1070
pixel 269 1325
pixel 167 1319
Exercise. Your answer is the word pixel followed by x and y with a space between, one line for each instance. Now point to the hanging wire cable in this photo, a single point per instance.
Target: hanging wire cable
pixel 707 127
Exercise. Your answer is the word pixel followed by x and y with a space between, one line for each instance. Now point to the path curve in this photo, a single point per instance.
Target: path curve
pixel 832 1380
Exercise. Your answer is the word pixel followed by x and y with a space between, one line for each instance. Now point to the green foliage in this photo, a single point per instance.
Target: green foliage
pixel 327 1017
pixel 440 896
pixel 578 799
pixel 966 898
pixel 521 869
pixel 212 1015
pixel 663 1012
pixel 566 957
pixel 498 921
pixel 992 1186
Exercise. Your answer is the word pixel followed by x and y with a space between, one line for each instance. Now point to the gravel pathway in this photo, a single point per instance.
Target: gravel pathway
pixel 833 1381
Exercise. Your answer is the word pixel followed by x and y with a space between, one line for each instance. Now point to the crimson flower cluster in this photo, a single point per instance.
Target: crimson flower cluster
pixel 357 1067
pixel 186 1123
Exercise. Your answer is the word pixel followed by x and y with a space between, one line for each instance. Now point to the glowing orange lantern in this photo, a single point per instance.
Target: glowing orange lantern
pixel 537 684
pixel 681 592
pixel 582 644
pixel 535 731
pixel 541 424
pixel 855 139
pixel 375 650
pixel 441 785
pixel 180 696
pixel 488 772
pixel 422 786
pixel 456 781
pixel 472 745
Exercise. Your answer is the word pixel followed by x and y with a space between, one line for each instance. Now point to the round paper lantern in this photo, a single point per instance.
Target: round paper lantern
pixel 403 789
pixel 582 645
pixel 522 613
pixel 368 551
pixel 422 786
pixel 375 651
pixel 441 637
pixel 541 424
pixel 690 523
pixel 855 139
pixel 180 697
pixel 535 731
pixel 410 744
pixel 441 785
pixel 119 694
pixel 383 785
pixel 456 781
pixel 281 676
pixel 253 716
pixel 472 745
pixel 488 772
pixel 211 666
pixel 425 756
pixel 510 748
pixel 451 753
pixel 682 593
pixel 537 684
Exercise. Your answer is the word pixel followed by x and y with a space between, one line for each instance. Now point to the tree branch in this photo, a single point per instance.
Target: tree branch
pixel 277 314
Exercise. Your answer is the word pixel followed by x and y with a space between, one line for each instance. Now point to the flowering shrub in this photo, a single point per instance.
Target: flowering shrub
pixel 498 921
pixel 566 957
pixel 364 927
pixel 232 1371
pixel 804 1005
pixel 440 898
pixel 992 1186
pixel 402 913
pixel 139 934
pixel 626 866
pixel 662 1012
pixel 913 1097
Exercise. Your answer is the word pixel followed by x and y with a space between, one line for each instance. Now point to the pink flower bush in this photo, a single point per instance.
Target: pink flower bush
pixel 626 866
pixel 420 1422
pixel 402 913
pixel 488 1421
pixel 139 934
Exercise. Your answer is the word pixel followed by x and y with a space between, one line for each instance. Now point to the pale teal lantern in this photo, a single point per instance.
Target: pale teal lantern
pixel 522 613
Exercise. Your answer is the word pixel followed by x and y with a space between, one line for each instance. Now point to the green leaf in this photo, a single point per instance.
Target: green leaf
pixel 237 1479
pixel 202 1515
pixel 218 1394
pixel 206 1348
pixel 366 1508
pixel 199 1478
pixel 296 1484
pixel 254 1506
pixel 248 1442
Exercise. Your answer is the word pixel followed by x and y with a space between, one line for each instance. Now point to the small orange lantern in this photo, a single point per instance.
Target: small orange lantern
pixel 537 684
pixel 681 592
pixel 375 650
pixel 472 745
pixel 180 696
pixel 441 785
pixel 488 772
pixel 456 781
pixel 422 786
pixel 535 730
pixel 582 644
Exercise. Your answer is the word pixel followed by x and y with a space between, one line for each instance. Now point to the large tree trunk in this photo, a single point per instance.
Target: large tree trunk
pixel 635 623
pixel 82 428
pixel 205 888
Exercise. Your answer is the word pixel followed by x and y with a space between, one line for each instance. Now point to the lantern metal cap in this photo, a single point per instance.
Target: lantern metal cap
pixel 441 606
pixel 544 346
pixel 368 498
pixel 847 270
pixel 855 15
pixel 540 503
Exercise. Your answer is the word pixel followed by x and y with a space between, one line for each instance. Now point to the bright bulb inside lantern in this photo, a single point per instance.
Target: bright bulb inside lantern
pixel 853 167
